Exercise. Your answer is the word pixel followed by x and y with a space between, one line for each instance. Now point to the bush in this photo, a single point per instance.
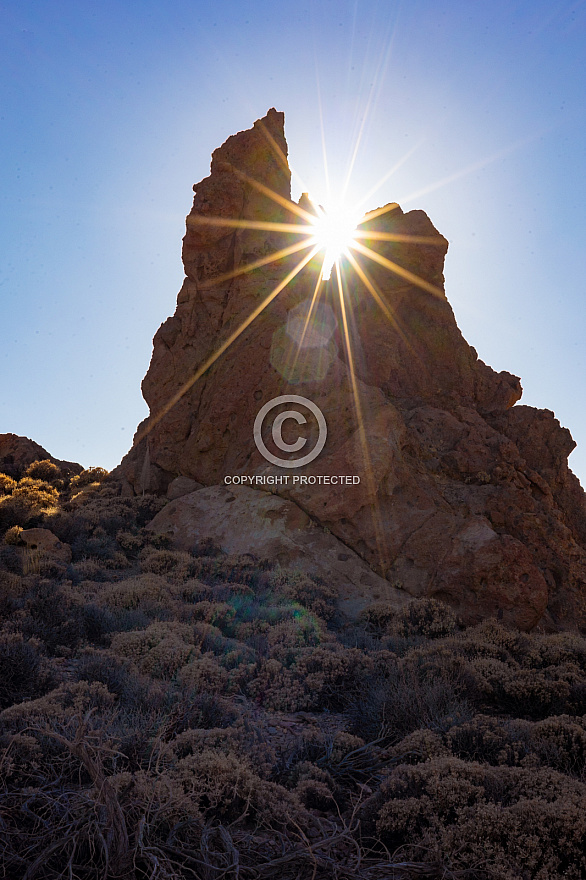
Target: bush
pixel 514 822
pixel 52 616
pixel 425 617
pixel 44 470
pixel 24 672
pixel 7 484
pixel 88 476
pixel 12 536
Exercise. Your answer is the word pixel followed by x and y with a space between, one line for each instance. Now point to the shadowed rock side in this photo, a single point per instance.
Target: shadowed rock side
pixel 463 496
pixel 16 453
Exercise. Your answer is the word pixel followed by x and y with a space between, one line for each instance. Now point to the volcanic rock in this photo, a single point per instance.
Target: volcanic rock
pixel 47 544
pixel 239 518
pixel 16 453
pixel 461 494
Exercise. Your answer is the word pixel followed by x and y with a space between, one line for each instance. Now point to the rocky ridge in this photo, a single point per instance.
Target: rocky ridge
pixel 463 495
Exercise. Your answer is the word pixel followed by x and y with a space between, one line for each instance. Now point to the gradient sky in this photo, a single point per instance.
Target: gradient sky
pixel 109 114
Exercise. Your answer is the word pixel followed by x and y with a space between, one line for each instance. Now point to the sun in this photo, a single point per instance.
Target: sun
pixel 334 232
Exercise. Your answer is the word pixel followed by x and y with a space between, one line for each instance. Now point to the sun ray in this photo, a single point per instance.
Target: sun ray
pixel 267 225
pixel 371 485
pixel 264 261
pixel 390 173
pixel 154 420
pixel 271 194
pixel 323 137
pixel 291 366
pixel 399 270
pixel 399 236
pixel 363 275
pixel 281 156
pixel 372 215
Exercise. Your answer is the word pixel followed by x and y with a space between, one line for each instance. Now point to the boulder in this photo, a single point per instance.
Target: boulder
pixel 242 520
pixel 46 544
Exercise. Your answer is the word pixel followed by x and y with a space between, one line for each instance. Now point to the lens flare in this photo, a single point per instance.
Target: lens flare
pixel 333 231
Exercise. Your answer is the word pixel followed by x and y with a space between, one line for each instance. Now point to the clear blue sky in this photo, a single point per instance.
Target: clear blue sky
pixel 109 114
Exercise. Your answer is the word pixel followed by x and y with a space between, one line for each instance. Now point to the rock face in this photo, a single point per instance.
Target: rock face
pixel 16 453
pixel 461 495
pixel 239 518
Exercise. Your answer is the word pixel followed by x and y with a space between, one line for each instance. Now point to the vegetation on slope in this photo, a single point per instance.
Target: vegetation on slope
pixel 193 715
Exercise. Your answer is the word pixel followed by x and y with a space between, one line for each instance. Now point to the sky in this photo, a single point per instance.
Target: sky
pixel 109 112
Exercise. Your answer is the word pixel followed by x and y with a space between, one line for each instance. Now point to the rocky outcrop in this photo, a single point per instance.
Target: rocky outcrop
pixel 16 453
pixel 461 495
pixel 239 518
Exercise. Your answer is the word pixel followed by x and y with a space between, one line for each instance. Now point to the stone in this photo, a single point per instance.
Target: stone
pixel 182 486
pixel 47 544
pixel 242 520
pixel 16 453
pixel 463 494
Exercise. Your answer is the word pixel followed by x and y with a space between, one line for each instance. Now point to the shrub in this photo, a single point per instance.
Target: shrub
pixel 160 650
pixel 88 476
pixel 44 470
pixel 7 484
pixel 425 617
pixel 513 822
pixel 398 700
pixel 24 672
pixel 12 536
pixel 52 615
pixel 171 562
pixel 379 615
pixel 310 592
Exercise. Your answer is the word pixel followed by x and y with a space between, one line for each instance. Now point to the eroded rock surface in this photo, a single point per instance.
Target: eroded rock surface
pixel 16 453
pixel 462 495
pixel 243 520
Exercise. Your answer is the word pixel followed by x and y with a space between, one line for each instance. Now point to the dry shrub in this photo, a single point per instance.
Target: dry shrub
pixel 379 616
pixel 329 672
pixel 146 591
pixel 556 649
pixel 514 822
pixel 425 617
pixel 24 671
pixel 129 541
pixel 277 688
pixel 218 614
pixel 53 614
pixel 120 676
pixel 309 592
pixel 87 477
pixel 12 536
pixel 402 698
pixel 560 742
pixel 28 500
pixel 160 650
pixel 236 569
pixel 44 470
pixel 507 687
pixel 204 675
pixel 7 484
pixel 491 740
pixel 174 563
pixel 421 745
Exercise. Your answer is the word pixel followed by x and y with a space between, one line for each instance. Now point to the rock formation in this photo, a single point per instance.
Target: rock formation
pixel 16 453
pixel 462 495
